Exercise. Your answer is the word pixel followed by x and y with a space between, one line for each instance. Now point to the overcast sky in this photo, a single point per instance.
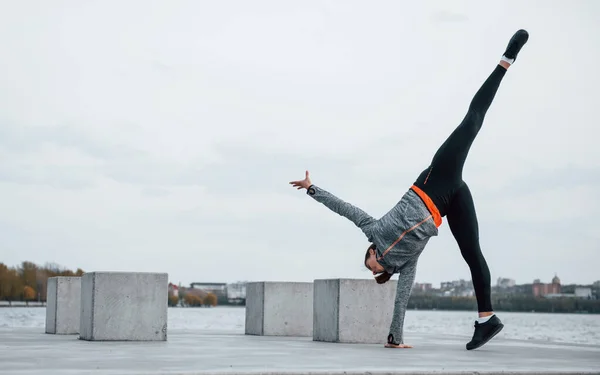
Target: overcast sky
pixel 161 135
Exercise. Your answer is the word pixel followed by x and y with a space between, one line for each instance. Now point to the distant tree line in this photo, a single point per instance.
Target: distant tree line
pixel 198 299
pixel 507 303
pixel 195 301
pixel 28 281
pixel 510 303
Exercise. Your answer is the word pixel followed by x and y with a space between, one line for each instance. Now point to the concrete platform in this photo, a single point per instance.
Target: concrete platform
pixel 64 303
pixel 30 351
pixel 124 306
pixel 353 311
pixel 279 309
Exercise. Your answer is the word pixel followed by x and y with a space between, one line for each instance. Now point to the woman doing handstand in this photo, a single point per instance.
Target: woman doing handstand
pixel 398 238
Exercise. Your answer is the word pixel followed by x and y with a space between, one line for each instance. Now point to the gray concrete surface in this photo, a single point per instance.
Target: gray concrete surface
pixel 63 305
pixel 29 352
pixel 279 309
pixel 352 310
pixel 124 306
pixel 51 289
pixel 255 302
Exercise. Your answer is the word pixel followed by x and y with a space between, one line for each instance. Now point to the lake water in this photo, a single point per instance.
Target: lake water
pixel 566 328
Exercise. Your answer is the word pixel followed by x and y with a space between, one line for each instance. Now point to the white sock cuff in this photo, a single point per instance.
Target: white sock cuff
pixel 506 59
pixel 484 319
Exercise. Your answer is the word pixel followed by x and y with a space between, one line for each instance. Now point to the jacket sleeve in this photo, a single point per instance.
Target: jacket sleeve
pixel 406 278
pixel 360 218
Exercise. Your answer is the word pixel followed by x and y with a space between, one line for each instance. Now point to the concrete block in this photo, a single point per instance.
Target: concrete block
pixel 124 306
pixel 279 309
pixel 353 310
pixel 63 297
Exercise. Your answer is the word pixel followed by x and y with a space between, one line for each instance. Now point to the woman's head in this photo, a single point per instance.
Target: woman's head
pixel 373 265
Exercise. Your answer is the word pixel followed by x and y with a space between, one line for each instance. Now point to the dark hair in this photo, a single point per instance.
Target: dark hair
pixel 382 277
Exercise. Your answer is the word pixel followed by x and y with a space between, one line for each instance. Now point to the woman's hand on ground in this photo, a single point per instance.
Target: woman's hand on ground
pixel 302 184
pixel 397 346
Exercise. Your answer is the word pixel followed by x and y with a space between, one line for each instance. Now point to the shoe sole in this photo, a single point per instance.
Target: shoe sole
pixel 489 338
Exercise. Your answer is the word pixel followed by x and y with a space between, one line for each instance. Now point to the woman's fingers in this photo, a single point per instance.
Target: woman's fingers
pixel 298 183
pixel 302 184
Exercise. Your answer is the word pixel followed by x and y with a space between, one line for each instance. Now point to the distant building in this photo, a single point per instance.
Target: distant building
pixel 173 290
pixel 219 289
pixel 523 289
pixel 236 290
pixel 456 284
pixel 422 287
pixel 573 291
pixel 457 288
pixel 540 289
pixel 596 290
pixel 583 292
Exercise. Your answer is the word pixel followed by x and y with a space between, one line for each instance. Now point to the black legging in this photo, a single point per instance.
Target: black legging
pixel 444 184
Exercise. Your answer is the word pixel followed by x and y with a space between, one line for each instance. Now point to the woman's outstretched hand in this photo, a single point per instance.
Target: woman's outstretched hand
pixel 302 184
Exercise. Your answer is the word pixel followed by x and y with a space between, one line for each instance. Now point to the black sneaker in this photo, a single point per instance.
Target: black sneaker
pixel 516 43
pixel 484 332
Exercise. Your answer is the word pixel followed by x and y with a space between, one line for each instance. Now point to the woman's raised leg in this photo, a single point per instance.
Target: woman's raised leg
pixel 444 175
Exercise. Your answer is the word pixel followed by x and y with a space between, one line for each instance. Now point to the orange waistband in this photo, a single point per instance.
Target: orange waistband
pixel 437 218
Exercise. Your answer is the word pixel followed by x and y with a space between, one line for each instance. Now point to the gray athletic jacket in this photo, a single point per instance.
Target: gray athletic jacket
pixel 399 236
